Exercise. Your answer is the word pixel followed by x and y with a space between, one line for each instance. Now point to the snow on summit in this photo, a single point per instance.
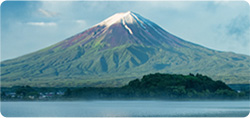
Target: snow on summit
pixel 125 18
pixel 116 18
pixel 128 17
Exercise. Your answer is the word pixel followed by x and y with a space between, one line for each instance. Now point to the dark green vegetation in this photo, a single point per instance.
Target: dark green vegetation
pixel 162 86
pixel 152 86
pixel 109 56
pixel 240 87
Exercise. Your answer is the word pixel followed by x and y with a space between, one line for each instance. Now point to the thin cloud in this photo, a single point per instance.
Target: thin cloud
pixel 47 13
pixel 42 23
pixel 179 5
pixel 83 22
pixel 239 26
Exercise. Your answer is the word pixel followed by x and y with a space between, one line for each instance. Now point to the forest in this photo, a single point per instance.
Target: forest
pixel 151 86
pixel 162 86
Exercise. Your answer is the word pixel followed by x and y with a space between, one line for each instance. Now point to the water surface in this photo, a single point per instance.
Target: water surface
pixel 126 109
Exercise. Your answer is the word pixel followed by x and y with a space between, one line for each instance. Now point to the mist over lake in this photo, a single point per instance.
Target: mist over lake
pixel 126 109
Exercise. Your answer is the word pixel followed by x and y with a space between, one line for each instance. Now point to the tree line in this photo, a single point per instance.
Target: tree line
pixel 162 86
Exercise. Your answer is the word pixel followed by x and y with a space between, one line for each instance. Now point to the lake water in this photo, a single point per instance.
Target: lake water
pixel 126 109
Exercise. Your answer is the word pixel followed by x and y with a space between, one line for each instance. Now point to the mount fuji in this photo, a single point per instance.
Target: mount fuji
pixel 123 47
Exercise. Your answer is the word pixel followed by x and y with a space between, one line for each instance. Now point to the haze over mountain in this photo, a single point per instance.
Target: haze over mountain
pixel 123 47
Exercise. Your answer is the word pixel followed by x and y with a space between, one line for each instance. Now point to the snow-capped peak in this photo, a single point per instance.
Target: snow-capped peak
pixel 126 17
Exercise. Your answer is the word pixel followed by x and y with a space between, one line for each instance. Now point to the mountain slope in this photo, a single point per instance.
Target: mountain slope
pixel 121 48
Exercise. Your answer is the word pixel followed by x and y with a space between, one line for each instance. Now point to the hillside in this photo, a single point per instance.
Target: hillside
pixel 121 48
pixel 161 86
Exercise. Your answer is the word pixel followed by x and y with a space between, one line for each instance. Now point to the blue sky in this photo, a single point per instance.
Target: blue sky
pixel 28 26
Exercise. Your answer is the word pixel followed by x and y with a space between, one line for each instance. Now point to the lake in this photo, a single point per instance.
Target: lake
pixel 126 109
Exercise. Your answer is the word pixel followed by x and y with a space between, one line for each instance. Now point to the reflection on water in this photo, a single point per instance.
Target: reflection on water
pixel 125 109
